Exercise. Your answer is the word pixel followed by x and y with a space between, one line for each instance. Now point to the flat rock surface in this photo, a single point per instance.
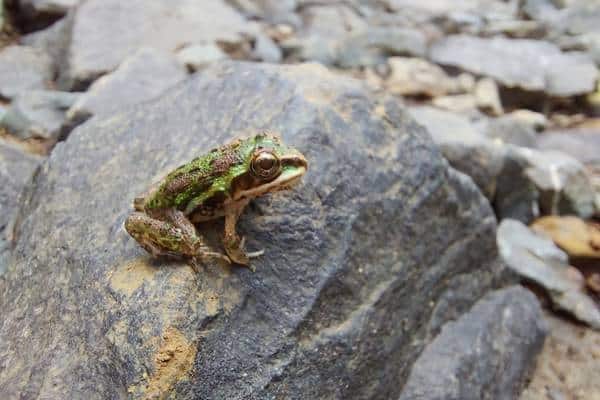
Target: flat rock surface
pixel 337 307
pixel 141 77
pixel 23 68
pixel 105 32
pixel 548 69
pixel 486 353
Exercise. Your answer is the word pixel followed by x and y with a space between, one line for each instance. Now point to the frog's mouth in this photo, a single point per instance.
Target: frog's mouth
pixel 294 167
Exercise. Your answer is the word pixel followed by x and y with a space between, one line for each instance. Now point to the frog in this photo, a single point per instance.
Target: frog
pixel 218 184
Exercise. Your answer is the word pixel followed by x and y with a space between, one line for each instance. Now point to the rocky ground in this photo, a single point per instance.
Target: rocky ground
pixel 445 243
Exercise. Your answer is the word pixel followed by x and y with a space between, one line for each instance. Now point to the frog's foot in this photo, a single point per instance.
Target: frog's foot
pixel 251 254
pixel 235 249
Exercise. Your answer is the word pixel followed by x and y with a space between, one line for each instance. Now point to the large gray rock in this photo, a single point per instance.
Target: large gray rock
pixel 105 32
pixel 485 354
pixel 142 76
pixel 548 69
pixel 23 68
pixel 16 169
pixel 340 304
pixel 38 113
pixel 537 259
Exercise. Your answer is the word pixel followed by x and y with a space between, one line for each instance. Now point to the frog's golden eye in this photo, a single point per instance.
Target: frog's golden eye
pixel 265 164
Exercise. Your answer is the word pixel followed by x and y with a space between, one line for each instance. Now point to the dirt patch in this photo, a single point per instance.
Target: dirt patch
pixel 130 276
pixel 569 365
pixel 172 363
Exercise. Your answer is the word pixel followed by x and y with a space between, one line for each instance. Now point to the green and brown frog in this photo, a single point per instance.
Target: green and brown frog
pixel 218 184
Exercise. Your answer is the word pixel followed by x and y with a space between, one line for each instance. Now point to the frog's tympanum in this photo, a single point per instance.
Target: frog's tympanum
pixel 218 184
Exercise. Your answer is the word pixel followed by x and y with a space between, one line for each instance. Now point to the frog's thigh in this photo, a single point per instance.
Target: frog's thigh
pixel 160 237
pixel 182 222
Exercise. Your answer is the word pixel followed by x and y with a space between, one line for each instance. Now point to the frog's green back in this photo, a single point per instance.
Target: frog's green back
pixel 194 183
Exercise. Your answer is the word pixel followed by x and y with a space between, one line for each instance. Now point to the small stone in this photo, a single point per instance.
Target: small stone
pixel 514 28
pixel 141 77
pixel 466 82
pixel 415 76
pixel 39 114
pixel 373 79
pixel 198 56
pixel 39 8
pixel 509 130
pixel 266 50
pixel 487 96
pixel 536 120
pixel 272 11
pixel 325 28
pixel 280 32
pixel 23 68
pixel 536 258
pixel 373 45
pixel 460 103
pixel 579 143
pixel 563 182
pixel 593 282
pixel 571 234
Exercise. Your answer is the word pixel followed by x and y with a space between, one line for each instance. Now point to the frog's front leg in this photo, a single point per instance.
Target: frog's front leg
pixel 233 243
pixel 168 233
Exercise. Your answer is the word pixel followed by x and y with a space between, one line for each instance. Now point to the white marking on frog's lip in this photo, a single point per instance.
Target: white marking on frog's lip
pixel 286 179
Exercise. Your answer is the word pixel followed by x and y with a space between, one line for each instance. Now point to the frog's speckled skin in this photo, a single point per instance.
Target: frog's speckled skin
pixel 221 183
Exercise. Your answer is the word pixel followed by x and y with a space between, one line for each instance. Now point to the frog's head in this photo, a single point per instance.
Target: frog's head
pixel 270 166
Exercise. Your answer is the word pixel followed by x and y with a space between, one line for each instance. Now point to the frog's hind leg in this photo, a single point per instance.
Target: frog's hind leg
pixel 169 234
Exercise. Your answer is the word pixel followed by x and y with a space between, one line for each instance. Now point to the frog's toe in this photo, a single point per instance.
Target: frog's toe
pixel 254 254
pixel 240 258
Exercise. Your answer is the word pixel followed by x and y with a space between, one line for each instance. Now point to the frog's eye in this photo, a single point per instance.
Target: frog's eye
pixel 265 165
